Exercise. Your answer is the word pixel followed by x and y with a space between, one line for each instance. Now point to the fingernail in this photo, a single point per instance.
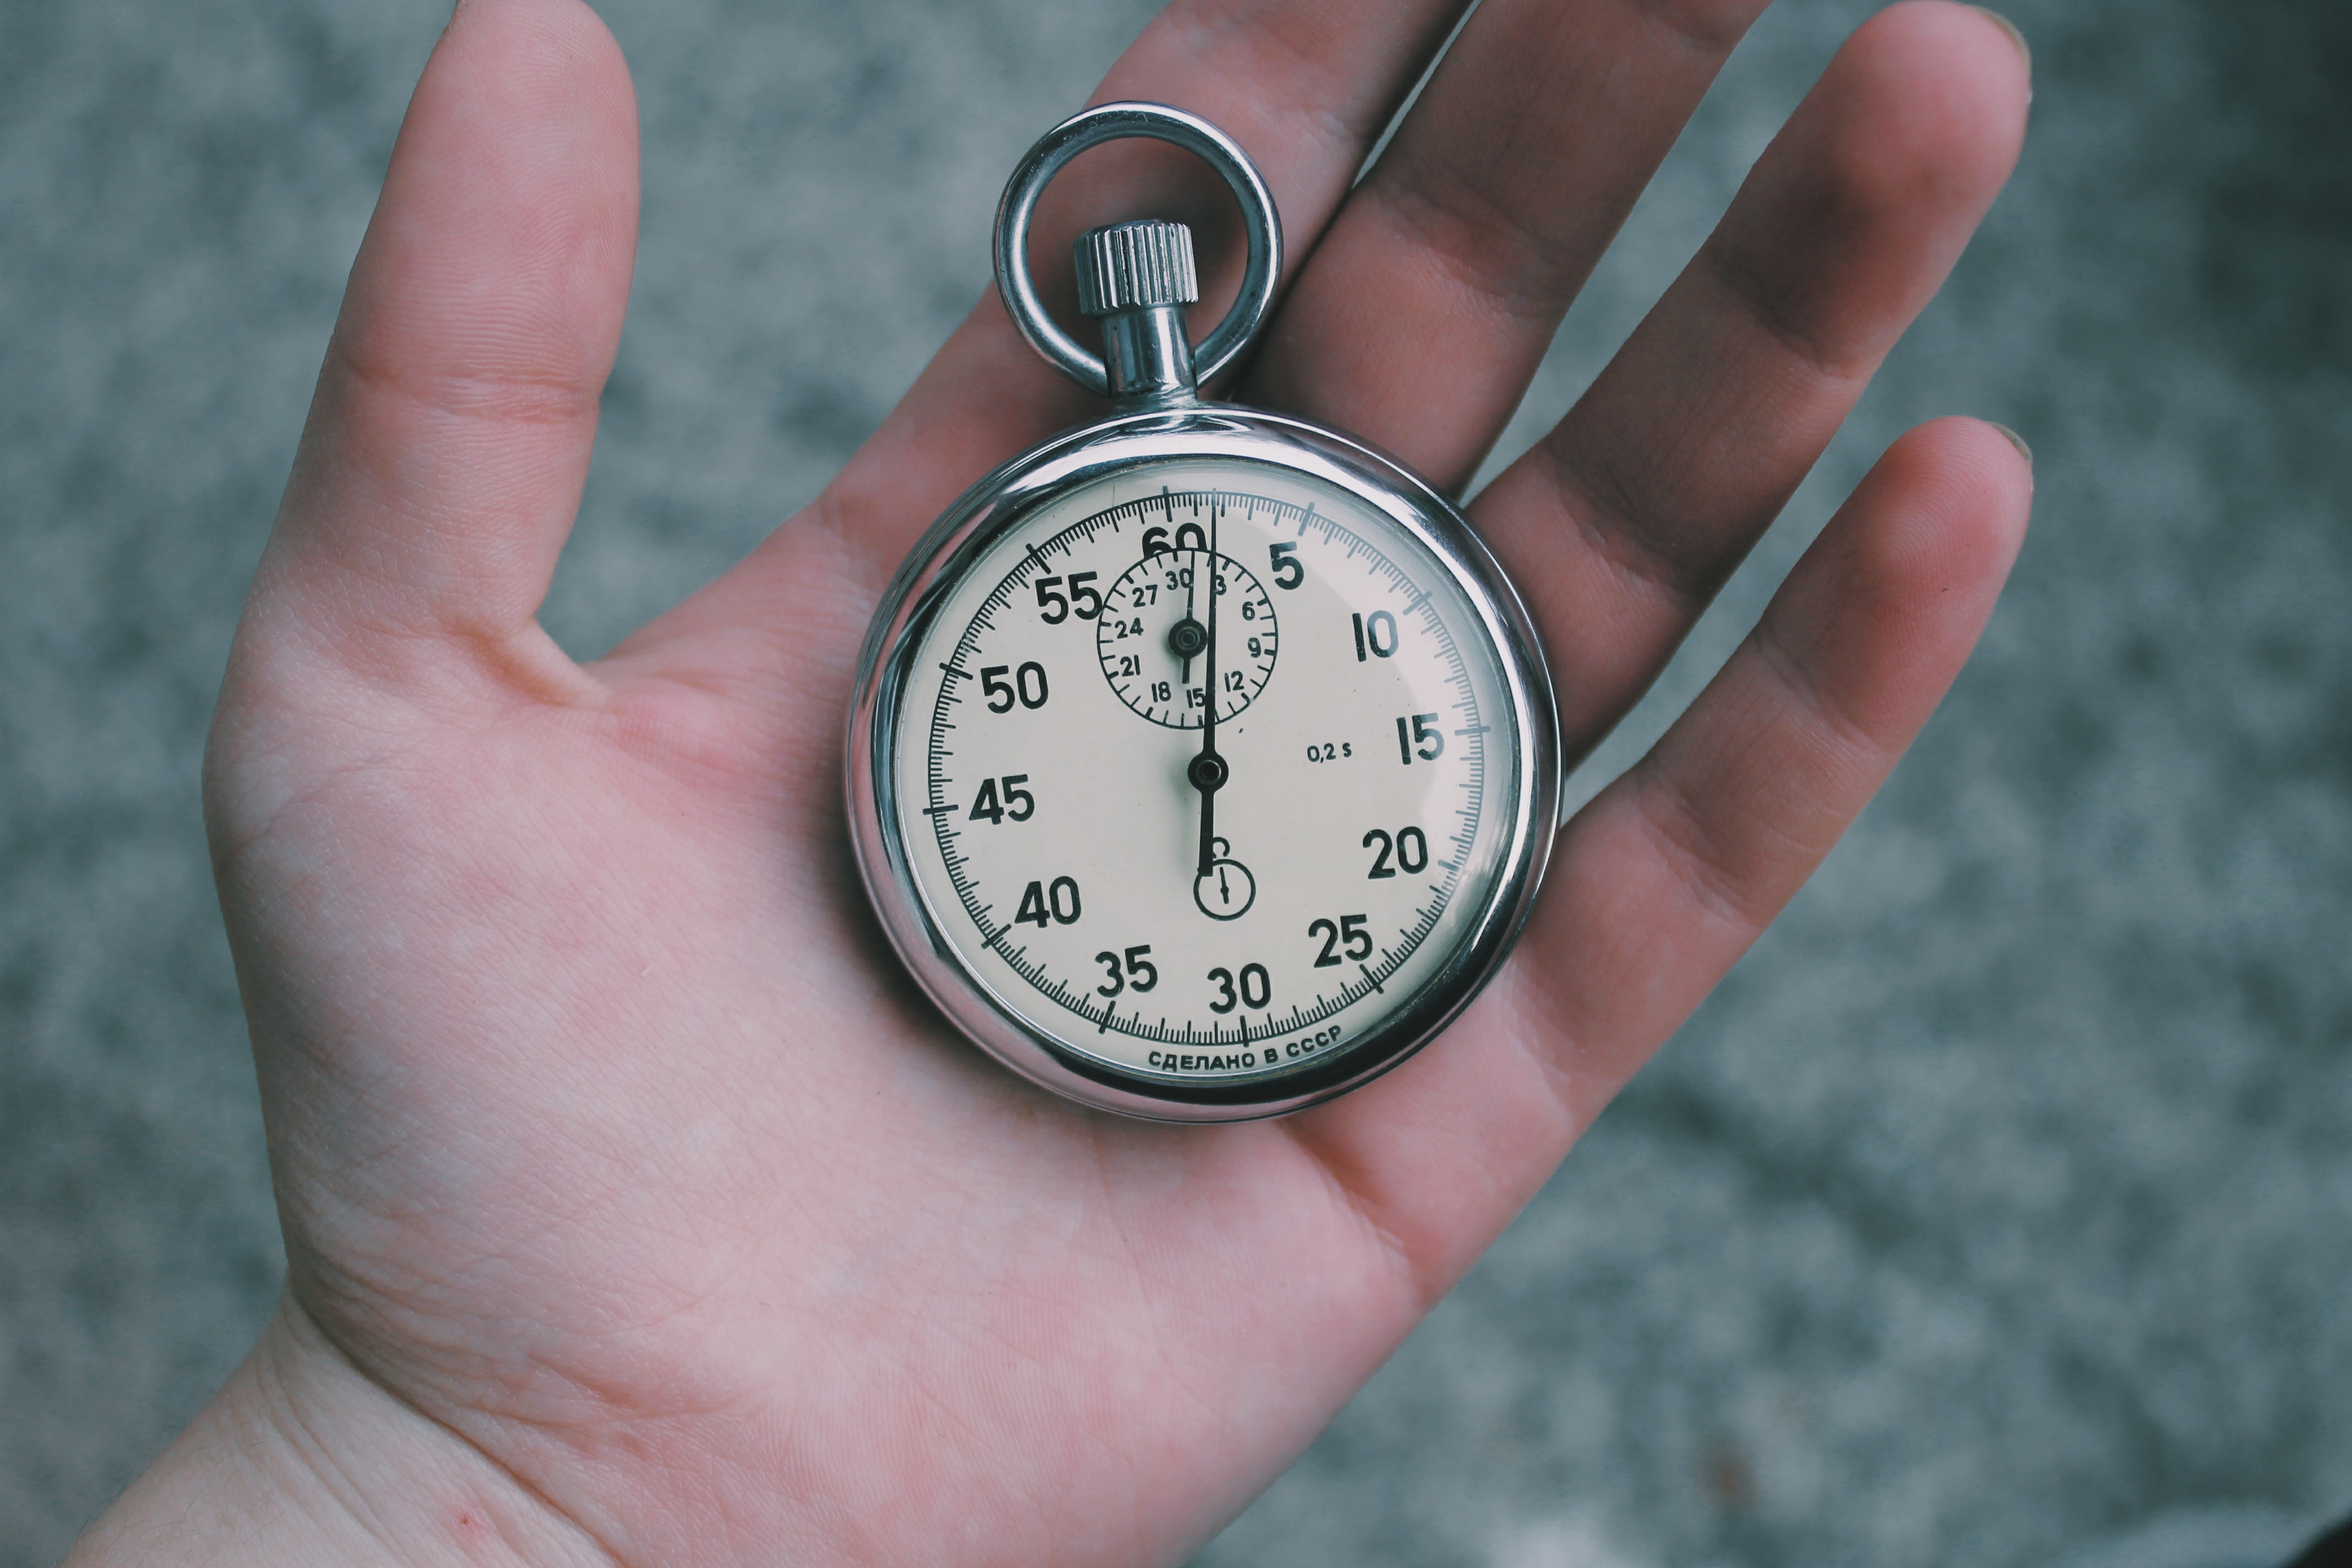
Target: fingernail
pixel 2015 440
pixel 2006 26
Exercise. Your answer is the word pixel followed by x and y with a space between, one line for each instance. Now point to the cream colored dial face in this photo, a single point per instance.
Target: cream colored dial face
pixel 1049 749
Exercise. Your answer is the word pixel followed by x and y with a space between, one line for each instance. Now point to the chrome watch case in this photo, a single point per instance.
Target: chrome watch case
pixel 1160 420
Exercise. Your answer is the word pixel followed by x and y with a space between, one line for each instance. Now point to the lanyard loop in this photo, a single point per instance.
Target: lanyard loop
pixel 1113 122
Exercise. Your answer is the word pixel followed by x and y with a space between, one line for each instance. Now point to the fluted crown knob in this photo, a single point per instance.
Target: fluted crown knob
pixel 1135 266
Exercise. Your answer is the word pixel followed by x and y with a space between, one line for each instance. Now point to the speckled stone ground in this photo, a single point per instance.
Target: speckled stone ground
pixel 2001 1199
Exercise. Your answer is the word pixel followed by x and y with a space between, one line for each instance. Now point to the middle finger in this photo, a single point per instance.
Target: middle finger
pixel 1423 312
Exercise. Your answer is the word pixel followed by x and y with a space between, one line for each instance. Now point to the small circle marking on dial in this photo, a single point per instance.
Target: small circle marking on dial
pixel 1158 609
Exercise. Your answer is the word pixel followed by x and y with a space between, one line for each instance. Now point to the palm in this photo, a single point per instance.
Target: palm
pixel 606 1130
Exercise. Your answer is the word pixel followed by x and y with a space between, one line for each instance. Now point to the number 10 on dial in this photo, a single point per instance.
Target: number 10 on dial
pixel 1203 764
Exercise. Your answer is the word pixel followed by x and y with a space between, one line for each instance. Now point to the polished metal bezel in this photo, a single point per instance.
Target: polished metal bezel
pixel 999 503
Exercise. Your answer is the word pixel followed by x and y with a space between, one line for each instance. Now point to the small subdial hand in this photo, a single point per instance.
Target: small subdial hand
pixel 1186 639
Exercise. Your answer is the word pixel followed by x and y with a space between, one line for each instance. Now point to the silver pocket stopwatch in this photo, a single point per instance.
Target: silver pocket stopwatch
pixel 1204 762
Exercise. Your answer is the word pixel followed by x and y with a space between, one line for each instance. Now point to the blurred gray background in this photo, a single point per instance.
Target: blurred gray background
pixel 2001 1200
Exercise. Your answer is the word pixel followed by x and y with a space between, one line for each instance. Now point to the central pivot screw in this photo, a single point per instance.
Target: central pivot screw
pixel 1187 638
pixel 1206 772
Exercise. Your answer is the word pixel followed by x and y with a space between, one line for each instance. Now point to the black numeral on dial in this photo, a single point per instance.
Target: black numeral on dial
pixel 1027 686
pixel 1376 636
pixel 1044 901
pixel 1254 990
pixel 990 806
pixel 1140 975
pixel 1054 608
pixel 1411 847
pixel 1349 931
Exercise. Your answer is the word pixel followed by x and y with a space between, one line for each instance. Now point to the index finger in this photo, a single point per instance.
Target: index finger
pixel 1306 88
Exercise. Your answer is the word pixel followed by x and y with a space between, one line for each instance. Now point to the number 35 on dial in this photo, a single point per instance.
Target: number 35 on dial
pixel 1207 788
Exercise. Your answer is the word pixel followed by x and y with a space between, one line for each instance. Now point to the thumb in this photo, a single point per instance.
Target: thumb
pixel 449 438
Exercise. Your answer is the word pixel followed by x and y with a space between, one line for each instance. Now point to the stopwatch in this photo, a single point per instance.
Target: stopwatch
pixel 1202 764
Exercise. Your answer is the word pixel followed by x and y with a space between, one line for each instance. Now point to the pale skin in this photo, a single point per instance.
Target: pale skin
pixel 637 1208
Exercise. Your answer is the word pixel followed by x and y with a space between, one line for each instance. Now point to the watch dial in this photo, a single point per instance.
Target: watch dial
pixel 1056 754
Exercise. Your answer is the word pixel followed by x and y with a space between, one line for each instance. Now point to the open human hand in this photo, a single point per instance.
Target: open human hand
pixel 636 1206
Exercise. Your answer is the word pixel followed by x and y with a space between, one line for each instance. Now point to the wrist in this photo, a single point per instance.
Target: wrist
pixel 302 1459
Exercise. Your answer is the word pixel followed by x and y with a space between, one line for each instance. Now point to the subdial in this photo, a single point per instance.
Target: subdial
pixel 1153 637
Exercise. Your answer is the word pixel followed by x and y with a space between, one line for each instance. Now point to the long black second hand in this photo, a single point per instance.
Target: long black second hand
pixel 1211 766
